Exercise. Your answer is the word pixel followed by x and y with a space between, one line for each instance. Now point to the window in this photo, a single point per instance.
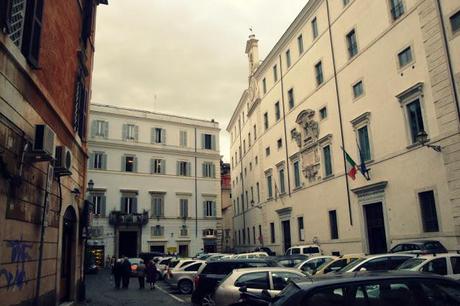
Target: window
pixel 210 209
pixel 272 232
pixel 158 135
pixel 327 161
pixel 281 177
pixel 244 146
pixel 437 266
pixel 314 28
pixel 98 160
pixel 277 111
pixel 291 98
pixel 183 138
pixel 345 2
pixel 255 132
pixel 397 8
pixel 269 186
pixel 358 89
pixel 301 230
pixel 264 85
pixel 157 206
pixel 428 210
pixel 333 224
pixel 405 57
pixel 183 208
pixel 209 169
pixel 258 192
pixel 130 132
pixel 279 143
pixel 238 205
pixel 267 151
pixel 323 113
pixel 128 204
pixel 254 234
pixel 100 128
pixel 266 121
pixel 455 22
pixel 319 73
pixel 158 166
pixel 249 140
pixel 288 58
pixel 255 280
pixel 208 141
pixel 455 261
pixel 414 115
pixel 275 73
pixel 129 163
pixel 297 174
pixel 183 168
pixel 244 235
pixel 352 44
pixel 300 44
pixel 99 202
pixel 364 145
pixel 250 166
pixel 256 160
pixel 157 231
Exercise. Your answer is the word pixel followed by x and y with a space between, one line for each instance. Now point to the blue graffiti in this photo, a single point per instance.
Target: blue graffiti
pixel 19 256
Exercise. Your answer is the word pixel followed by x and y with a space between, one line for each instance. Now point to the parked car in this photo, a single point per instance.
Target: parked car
pixel 216 257
pixel 309 250
pixel 163 263
pixel 392 288
pixel 312 264
pixel 135 262
pixel 442 264
pixel 210 274
pixel 182 278
pixel 289 261
pixel 266 250
pixel 382 262
pixel 177 263
pixel 338 263
pixel 148 256
pixel 419 247
pixel 253 280
pixel 251 255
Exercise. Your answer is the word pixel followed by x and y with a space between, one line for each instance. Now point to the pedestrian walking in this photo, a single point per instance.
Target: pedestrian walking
pixel 126 272
pixel 117 272
pixel 141 275
pixel 151 272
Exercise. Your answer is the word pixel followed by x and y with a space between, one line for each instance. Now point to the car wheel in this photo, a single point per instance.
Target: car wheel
pixel 185 287
pixel 208 300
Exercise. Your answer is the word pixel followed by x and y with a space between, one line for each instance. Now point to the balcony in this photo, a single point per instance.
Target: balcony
pixel 117 218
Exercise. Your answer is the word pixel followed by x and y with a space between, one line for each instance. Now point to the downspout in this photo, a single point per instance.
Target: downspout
pixel 284 126
pixel 242 178
pixel 339 110
pixel 196 192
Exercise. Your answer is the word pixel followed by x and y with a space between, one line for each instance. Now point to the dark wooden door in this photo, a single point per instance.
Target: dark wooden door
pixel 375 228
pixel 286 234
pixel 67 253
pixel 127 244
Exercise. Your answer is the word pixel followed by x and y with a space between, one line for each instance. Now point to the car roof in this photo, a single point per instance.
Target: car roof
pixel 344 278
pixel 268 269
pixel 417 242
pixel 437 255
pixel 239 260
pixel 305 246
pixel 389 254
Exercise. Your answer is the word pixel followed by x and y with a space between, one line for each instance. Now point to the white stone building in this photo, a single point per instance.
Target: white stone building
pixel 156 182
pixel 381 74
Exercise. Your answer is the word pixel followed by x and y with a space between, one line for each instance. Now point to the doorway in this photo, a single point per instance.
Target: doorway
pixel 375 225
pixel 183 250
pixel 67 254
pixel 127 244
pixel 286 234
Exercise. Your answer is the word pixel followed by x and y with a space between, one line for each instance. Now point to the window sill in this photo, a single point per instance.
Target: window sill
pixel 415 145
pixel 328 177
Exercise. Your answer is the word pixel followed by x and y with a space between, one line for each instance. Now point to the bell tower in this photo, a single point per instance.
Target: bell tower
pixel 252 50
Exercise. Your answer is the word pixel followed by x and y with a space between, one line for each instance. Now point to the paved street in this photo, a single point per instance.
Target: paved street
pixel 100 291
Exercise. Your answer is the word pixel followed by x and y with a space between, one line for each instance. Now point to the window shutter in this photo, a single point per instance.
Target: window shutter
pixel 125 131
pixel 213 142
pixel 32 31
pixel 203 140
pixel 152 136
pixel 152 166
pixel 87 21
pixel 178 168
pixel 136 132
pixel 135 164
pixel 134 210
pixel 91 160
pixel 162 207
pixel 93 128
pixel 204 208
pixel 189 171
pixel 163 166
pixel 203 168
pixel 214 213
pixel 123 163
pixel 104 161
pixel 152 206
pixel 106 129
pixel 103 202
pixel 122 206
pixel 186 208
pixel 213 171
pixel 163 136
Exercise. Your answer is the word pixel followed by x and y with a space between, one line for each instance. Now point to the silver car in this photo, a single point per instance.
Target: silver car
pixel 182 278
pixel 272 279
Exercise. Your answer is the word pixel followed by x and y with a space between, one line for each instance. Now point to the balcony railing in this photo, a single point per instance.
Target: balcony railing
pixel 117 218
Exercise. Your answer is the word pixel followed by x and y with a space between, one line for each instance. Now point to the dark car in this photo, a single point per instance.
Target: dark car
pixel 371 288
pixel 289 261
pixel 419 247
pixel 209 276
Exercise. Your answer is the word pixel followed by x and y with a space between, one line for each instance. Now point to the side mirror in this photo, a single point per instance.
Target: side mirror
pixel 243 289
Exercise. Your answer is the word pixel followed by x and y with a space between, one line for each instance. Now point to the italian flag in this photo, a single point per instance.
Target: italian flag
pixel 351 166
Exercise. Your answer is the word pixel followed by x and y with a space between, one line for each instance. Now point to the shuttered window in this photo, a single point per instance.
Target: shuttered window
pixel 209 169
pixel 183 138
pixel 208 142
pixel 184 168
pixel 209 208
pixel 130 132
pixel 98 160
pixel 183 207
pixel 157 231
pixel 99 204
pixel 129 163
pixel 158 166
pixel 129 204
pixel 157 206
pixel 100 128
pixel 327 160
pixel 158 135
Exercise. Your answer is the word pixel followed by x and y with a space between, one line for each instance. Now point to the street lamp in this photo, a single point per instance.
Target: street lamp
pixel 422 138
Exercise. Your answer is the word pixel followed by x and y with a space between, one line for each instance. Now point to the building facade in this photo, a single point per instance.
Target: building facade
pixel 379 79
pixel 156 183
pixel 46 60
pixel 227 208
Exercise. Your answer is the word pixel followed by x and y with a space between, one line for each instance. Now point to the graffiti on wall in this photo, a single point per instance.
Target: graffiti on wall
pixel 19 255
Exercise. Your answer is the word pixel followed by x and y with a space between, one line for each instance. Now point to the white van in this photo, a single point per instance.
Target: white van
pixel 309 250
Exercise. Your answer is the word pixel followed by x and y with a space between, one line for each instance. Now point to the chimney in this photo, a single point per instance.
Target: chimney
pixel 252 50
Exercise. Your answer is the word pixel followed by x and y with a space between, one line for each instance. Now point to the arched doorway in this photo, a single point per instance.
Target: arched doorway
pixel 67 253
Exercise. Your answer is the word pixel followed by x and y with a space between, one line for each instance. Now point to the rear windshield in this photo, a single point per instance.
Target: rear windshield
pixel 164 261
pixel 173 263
pixel 310 250
pixel 433 245
pixel 353 264
pixel 411 263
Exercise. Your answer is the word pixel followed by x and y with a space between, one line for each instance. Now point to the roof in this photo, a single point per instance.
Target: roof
pixel 417 242
pixel 269 269
pixel 389 254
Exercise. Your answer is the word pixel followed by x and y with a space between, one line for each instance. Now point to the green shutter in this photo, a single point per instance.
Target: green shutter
pixel 177 168
pixel 163 136
pixel 134 205
pixel 104 161
pixel 91 160
pixel 203 137
pixel 123 163
pixel 135 164
pixel 213 142
pixel 93 128
pixel 189 169
pixel 136 132
pixel 103 204
pixel 163 166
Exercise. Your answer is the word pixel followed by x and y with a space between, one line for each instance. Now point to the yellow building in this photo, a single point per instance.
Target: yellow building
pixel 381 80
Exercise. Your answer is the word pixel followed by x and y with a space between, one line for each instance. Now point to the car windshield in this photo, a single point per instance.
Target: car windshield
pixel 310 250
pixel 173 263
pixel 411 263
pixel 135 261
pixel 353 264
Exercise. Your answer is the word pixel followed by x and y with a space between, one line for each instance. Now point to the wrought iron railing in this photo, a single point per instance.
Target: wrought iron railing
pixel 117 218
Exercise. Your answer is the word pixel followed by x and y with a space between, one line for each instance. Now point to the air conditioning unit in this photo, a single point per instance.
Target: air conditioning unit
pixel 43 148
pixel 63 161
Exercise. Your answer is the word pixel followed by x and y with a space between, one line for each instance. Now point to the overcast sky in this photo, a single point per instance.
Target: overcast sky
pixel 189 54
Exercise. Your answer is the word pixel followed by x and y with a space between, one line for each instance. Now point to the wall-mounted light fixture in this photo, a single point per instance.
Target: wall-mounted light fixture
pixel 422 138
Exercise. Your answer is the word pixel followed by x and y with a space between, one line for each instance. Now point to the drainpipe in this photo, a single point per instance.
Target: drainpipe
pixel 196 192
pixel 242 177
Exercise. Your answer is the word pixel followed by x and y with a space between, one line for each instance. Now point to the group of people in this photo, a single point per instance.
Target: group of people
pixel 121 270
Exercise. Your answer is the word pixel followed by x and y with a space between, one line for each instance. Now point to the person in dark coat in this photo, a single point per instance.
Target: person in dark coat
pixel 141 275
pixel 117 272
pixel 126 272
pixel 151 272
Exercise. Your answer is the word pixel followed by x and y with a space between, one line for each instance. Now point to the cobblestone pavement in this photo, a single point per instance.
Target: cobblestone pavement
pixel 101 291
